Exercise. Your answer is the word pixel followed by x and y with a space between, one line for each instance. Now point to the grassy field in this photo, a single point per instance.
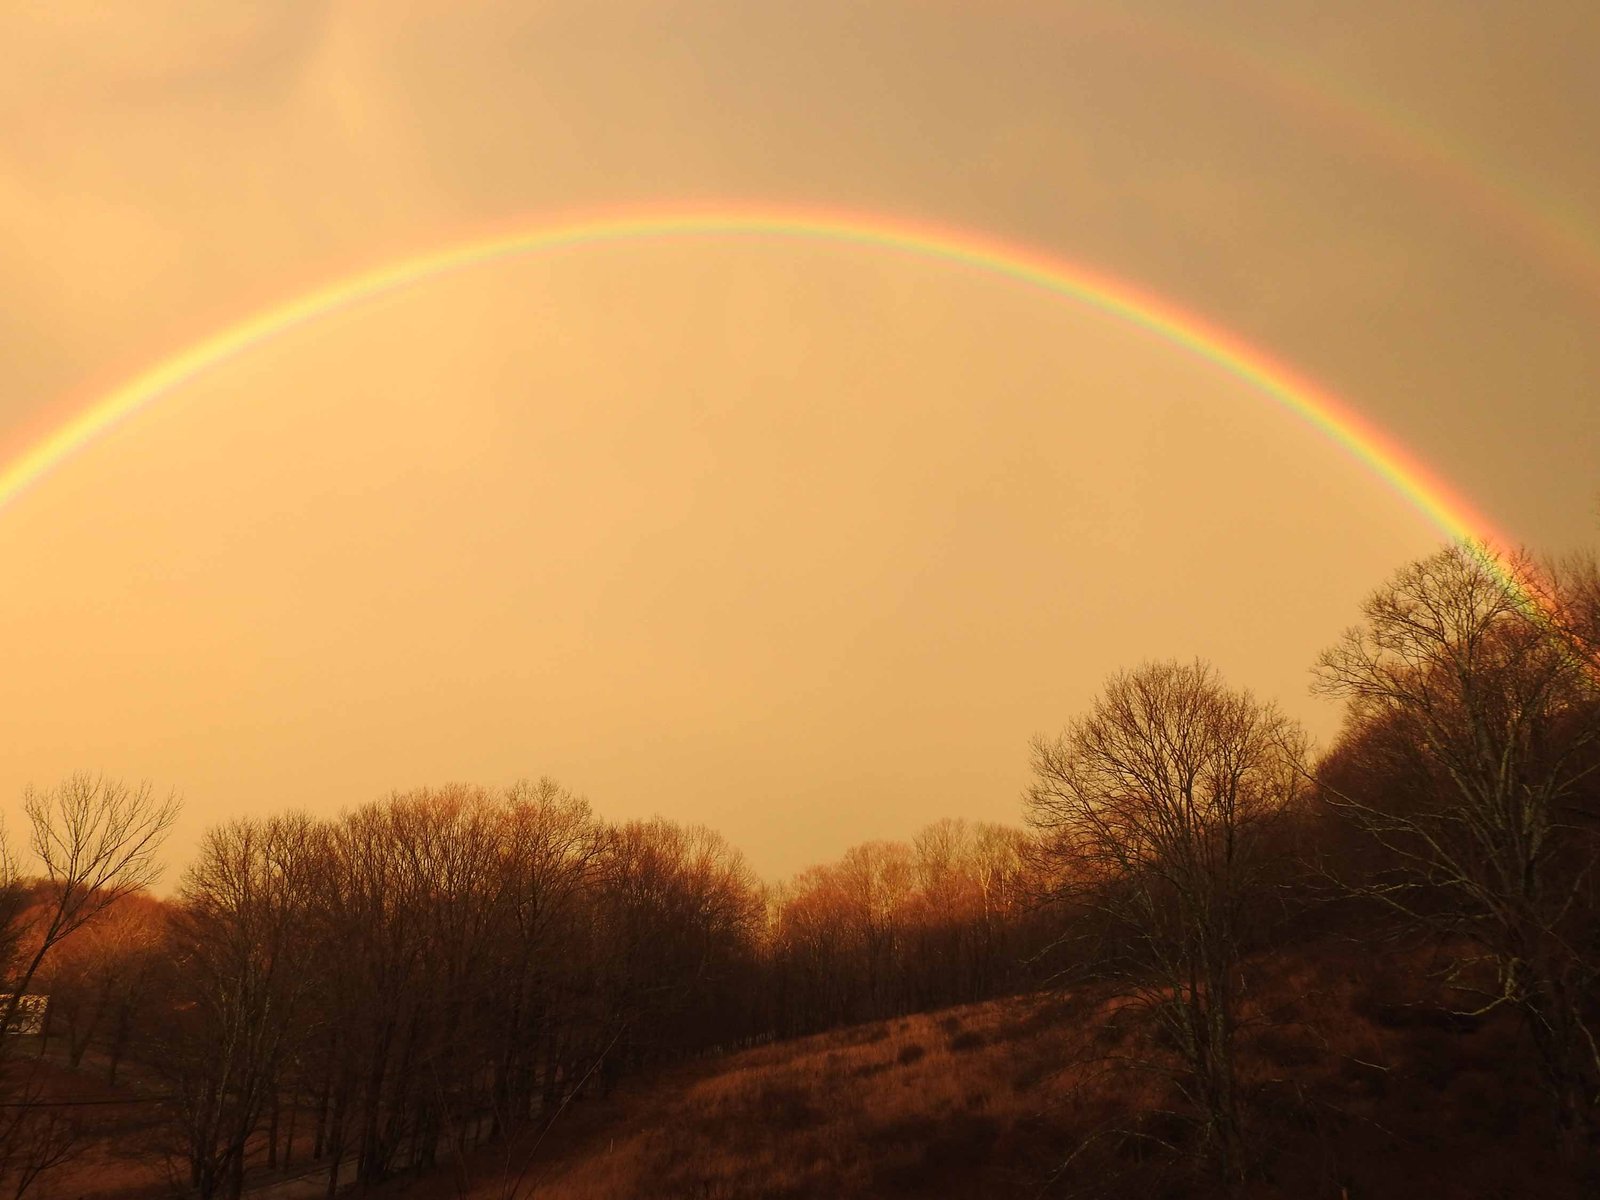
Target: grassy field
pixel 1358 1084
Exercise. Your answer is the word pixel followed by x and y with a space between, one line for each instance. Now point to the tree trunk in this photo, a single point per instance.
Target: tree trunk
pixel 272 1134
pixel 288 1144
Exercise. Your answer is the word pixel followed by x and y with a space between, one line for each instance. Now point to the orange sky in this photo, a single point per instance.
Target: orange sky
pixel 800 540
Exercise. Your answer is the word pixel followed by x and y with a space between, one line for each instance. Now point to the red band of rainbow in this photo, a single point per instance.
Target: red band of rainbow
pixel 1445 508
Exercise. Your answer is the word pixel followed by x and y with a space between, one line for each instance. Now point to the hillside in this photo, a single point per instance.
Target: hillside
pixel 1359 1086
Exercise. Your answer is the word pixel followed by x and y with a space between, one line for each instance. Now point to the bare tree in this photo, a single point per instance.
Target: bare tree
pixel 675 915
pixel 551 843
pixel 968 906
pixel 96 839
pixel 240 953
pixel 34 1141
pixel 892 928
pixel 97 979
pixel 1474 679
pixel 1153 811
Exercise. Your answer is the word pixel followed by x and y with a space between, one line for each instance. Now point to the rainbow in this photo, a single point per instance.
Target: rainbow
pixel 1453 515
pixel 1553 230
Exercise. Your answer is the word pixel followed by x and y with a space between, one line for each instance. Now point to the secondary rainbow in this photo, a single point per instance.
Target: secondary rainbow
pixel 1403 472
pixel 1460 174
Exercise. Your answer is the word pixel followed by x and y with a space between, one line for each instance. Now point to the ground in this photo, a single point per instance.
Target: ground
pixel 1360 1086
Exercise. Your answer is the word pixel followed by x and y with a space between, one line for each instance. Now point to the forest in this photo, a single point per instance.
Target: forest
pixel 379 998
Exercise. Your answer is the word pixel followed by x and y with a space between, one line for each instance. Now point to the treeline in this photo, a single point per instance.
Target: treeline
pixel 422 972
pixel 895 927
pixel 380 989
pixel 386 987
pixel 892 928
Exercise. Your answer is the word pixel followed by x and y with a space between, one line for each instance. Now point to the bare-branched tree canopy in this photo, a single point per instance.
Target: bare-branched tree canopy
pixel 1474 679
pixel 1154 812
pixel 96 840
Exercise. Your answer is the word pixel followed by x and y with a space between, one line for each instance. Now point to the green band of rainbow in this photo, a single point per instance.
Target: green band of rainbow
pixel 1341 423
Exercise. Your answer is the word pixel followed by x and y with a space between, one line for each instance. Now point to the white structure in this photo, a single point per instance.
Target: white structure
pixel 29 1017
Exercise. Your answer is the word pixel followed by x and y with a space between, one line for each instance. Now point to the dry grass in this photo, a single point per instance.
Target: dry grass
pixel 878 1110
pixel 1358 1087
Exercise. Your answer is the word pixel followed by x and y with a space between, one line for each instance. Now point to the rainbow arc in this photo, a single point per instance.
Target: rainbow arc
pixel 1338 420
